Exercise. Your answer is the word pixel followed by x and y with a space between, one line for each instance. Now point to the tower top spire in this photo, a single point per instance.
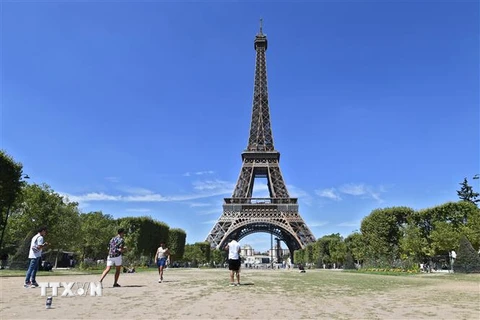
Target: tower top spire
pixel 260 38
pixel 261 139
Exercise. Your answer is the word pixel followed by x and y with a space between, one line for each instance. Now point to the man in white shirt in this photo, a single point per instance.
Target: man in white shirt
pixel 233 248
pixel 35 254
pixel 163 258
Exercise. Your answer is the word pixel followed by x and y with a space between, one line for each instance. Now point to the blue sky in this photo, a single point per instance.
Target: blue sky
pixel 144 108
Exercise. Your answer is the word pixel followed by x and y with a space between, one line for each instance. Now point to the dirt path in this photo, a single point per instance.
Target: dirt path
pixel 205 294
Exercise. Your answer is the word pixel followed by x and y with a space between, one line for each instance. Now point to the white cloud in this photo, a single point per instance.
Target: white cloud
pixel 137 191
pixel 214 186
pixel 354 189
pixel 211 222
pixel 199 204
pixel 302 195
pixel 216 211
pixel 357 190
pixel 112 179
pixel 329 193
pixel 349 224
pixel 362 190
pixel 204 189
pixel 138 210
pixel 93 196
pixel 317 224
pixel 198 173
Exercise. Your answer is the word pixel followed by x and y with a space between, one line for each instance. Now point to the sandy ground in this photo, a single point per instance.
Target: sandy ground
pixel 205 294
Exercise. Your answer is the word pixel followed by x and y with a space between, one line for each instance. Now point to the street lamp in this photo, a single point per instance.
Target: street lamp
pixel 476 177
pixel 271 249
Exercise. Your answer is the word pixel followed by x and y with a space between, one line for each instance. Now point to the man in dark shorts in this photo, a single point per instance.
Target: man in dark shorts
pixel 233 248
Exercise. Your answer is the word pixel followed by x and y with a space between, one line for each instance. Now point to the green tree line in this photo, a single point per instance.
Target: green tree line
pixel 400 237
pixel 25 207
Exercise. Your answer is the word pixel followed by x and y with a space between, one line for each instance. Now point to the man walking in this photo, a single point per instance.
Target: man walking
pixel 116 248
pixel 162 257
pixel 35 255
pixel 233 248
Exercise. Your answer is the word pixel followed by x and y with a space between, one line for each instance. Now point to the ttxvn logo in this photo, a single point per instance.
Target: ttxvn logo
pixel 71 289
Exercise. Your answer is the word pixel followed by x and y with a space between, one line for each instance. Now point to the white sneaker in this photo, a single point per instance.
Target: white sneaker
pixel 159 280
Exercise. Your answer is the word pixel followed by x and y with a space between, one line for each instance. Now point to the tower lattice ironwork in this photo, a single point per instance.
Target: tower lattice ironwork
pixel 278 214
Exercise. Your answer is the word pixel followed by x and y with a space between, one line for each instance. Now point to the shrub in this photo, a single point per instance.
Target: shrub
pixel 468 260
pixel 349 263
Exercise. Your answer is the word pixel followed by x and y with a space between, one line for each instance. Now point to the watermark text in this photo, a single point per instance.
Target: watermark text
pixel 70 289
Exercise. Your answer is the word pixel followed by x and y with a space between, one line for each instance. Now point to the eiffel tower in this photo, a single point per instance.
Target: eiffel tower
pixel 277 215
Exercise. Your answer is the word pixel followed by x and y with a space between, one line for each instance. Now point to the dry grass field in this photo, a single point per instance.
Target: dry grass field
pixel 264 294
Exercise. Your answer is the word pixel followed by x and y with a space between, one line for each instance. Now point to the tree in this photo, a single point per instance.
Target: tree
pixel 466 193
pixel 349 263
pixel 468 260
pixel 41 206
pixel 382 231
pixel 218 257
pixel 10 189
pixel 435 231
pixel 176 243
pixel 414 245
pixel 197 253
pixel 96 229
pixel 356 245
pixel 142 237
pixel 299 256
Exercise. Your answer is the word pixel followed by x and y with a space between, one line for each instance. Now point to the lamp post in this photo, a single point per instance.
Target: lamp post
pixel 271 250
pixel 477 177
pixel 277 252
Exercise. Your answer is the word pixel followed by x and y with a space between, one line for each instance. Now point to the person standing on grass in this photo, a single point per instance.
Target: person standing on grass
pixel 163 258
pixel 233 248
pixel 34 255
pixel 116 248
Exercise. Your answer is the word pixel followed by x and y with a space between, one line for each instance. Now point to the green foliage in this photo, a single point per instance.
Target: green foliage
pixel 176 243
pixel 434 231
pixel 414 245
pixel 26 207
pixel 96 229
pixel 299 256
pixel 19 260
pixel 349 263
pixel 466 193
pixel 468 260
pixel 197 253
pixel 328 250
pixel 338 250
pixel 308 254
pixel 218 257
pixel 41 206
pixel 10 189
pixel 356 245
pixel 471 229
pixel 382 231
pixel 143 236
